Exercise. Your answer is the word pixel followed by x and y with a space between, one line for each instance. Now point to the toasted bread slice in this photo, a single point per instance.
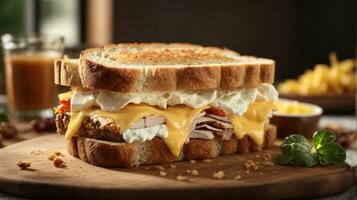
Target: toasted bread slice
pixel 66 72
pixel 163 67
pixel 121 154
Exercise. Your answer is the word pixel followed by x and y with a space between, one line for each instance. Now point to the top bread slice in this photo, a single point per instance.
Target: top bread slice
pixel 147 67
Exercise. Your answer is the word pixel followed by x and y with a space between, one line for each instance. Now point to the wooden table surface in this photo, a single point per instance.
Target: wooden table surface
pixel 346 121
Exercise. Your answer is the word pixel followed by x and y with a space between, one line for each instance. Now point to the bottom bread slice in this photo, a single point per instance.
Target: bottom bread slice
pixel 121 154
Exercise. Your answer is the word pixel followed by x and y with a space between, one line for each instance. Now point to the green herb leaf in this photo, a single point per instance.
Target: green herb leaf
pixel 289 141
pixel 302 155
pixel 323 137
pixel 285 158
pixel 331 154
pixel 295 138
pixel 3 117
pixel 296 150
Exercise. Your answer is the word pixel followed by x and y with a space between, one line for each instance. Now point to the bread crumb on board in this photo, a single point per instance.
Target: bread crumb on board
pixel 182 178
pixel 238 177
pixel 267 157
pixel 35 151
pixel 207 160
pixel 58 162
pixel 218 175
pixel 268 164
pixel 160 167
pixel 192 161
pixel 23 165
pixel 57 153
pixel 162 173
pixel 51 157
pixel 250 166
pixel 172 166
pixel 195 172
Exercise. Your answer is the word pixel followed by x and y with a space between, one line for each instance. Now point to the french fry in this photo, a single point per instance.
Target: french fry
pixel 338 78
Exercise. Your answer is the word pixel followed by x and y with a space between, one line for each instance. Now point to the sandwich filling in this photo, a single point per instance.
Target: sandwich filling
pixel 174 116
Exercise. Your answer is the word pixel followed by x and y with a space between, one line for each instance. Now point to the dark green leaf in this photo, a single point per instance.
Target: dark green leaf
pixel 297 154
pixel 285 158
pixel 296 150
pixel 295 138
pixel 331 154
pixel 3 117
pixel 302 156
pixel 323 137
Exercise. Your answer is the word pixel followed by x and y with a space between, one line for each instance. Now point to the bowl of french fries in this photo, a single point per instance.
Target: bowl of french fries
pixel 330 86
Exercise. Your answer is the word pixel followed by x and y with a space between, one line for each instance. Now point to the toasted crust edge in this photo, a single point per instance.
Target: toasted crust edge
pixel 114 154
pixel 93 75
pixel 96 76
pixel 66 73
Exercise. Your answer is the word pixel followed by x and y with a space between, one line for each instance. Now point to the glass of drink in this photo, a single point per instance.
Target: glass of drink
pixel 29 74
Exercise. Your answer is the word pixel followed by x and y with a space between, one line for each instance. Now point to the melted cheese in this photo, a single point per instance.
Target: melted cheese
pixel 252 123
pixel 75 123
pixel 178 121
pixel 65 95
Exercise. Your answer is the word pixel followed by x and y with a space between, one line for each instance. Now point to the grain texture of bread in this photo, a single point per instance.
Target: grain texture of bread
pixel 164 67
pixel 121 154
pixel 66 72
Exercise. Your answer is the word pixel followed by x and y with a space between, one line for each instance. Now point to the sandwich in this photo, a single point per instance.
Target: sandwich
pixel 152 103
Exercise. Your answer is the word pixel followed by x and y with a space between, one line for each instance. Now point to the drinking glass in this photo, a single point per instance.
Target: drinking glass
pixel 29 74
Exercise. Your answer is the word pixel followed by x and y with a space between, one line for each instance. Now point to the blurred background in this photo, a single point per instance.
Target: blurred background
pixel 296 33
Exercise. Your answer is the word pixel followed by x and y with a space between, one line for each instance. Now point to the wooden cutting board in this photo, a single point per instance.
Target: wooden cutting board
pixel 81 180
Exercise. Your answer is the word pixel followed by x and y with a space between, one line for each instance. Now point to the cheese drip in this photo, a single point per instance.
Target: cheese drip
pixel 252 122
pixel 75 123
pixel 178 121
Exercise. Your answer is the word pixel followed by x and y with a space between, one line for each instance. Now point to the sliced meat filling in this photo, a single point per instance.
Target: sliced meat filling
pixel 205 126
pixel 209 126
pixel 149 122
pixel 202 134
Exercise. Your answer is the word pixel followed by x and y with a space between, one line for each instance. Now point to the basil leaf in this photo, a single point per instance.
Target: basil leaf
pixel 285 158
pixel 331 154
pixel 296 151
pixel 323 137
pixel 295 138
pixel 302 155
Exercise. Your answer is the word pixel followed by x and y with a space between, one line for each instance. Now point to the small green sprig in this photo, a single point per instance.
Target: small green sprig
pixel 296 150
pixel 3 116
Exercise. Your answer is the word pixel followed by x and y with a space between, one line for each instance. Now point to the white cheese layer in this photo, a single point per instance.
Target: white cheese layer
pixel 235 101
pixel 82 100
pixel 145 134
